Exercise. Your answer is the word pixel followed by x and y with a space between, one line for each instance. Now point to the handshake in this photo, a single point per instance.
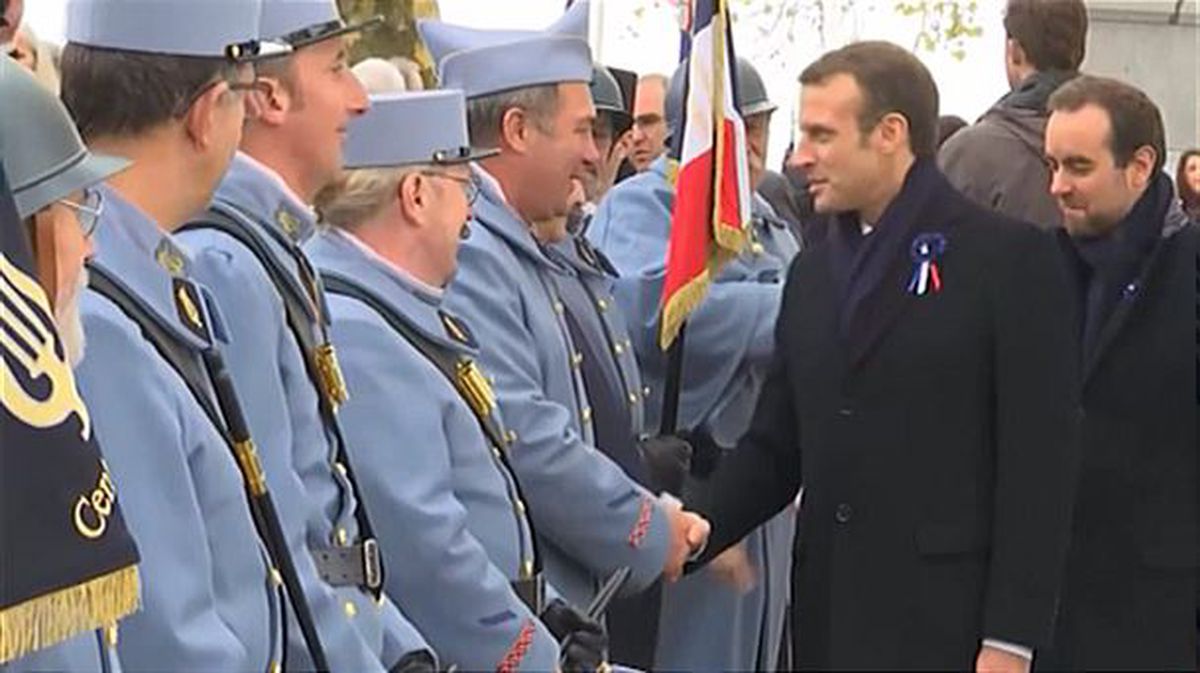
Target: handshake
pixel 689 535
pixel 668 461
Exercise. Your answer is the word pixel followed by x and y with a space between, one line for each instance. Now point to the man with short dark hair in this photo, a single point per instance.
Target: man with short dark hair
pixel 162 84
pixel 997 162
pixel 931 428
pixel 246 249
pixel 1129 598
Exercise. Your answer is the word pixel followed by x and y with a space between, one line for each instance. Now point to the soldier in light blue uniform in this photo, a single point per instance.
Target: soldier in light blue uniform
pixel 422 423
pixel 527 94
pixel 49 165
pixel 279 352
pixel 706 624
pixel 210 597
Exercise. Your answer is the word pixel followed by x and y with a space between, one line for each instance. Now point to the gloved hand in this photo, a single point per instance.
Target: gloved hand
pixel 420 661
pixel 668 459
pixel 706 453
pixel 584 641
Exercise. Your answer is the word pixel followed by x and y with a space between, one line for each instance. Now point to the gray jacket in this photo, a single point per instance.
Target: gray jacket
pixel 998 161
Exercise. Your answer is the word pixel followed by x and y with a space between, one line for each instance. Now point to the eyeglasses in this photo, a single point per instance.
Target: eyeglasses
pixel 255 84
pixel 470 185
pixel 87 212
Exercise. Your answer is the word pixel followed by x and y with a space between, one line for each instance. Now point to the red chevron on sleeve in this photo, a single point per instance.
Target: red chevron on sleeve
pixel 515 654
pixel 643 524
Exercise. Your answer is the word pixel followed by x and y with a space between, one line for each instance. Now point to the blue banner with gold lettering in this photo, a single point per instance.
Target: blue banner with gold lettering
pixel 67 562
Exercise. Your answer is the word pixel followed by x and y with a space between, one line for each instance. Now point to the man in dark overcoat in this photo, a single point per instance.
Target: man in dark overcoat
pixel 1129 595
pixel 923 394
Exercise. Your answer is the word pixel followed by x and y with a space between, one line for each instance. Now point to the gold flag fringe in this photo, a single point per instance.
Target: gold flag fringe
pixel 45 620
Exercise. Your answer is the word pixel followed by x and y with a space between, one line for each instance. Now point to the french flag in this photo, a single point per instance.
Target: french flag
pixel 711 213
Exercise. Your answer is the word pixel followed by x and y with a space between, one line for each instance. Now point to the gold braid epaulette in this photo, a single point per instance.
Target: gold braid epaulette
pixel 474 387
pixel 43 621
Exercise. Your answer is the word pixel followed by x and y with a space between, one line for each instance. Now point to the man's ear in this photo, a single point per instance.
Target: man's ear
pixel 413 199
pixel 892 133
pixel 515 129
pixel 1140 169
pixel 45 252
pixel 270 101
pixel 200 119
pixel 1014 53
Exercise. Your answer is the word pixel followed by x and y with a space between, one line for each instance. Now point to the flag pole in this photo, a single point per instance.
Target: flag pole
pixel 673 385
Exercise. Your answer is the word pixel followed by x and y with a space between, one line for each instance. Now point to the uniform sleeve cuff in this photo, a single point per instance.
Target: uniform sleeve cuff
pixel 1012 648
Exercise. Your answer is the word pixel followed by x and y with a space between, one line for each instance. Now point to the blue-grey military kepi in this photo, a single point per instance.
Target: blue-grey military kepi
pixel 43 155
pixel 483 62
pixel 202 28
pixel 299 23
pixel 406 128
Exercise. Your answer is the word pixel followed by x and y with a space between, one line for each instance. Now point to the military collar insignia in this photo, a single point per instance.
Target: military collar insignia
pixel 188 306
pixel 457 330
pixel 170 257
pixel 291 225
pixel 927 248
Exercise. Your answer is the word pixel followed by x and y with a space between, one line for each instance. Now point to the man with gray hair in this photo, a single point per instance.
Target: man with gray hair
pixel 591 517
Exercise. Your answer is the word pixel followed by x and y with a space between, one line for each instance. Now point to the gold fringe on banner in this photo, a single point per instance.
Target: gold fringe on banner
pixel 45 620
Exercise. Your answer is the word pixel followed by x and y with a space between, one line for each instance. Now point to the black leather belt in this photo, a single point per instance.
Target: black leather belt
pixel 532 592
pixel 357 565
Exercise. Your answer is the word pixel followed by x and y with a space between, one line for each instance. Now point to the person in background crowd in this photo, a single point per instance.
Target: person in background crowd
pixel 948 125
pixel 377 74
pixel 40 57
pixel 932 430
pixel 1187 182
pixel 1129 600
pixel 997 162
pixel 10 19
pixel 649 121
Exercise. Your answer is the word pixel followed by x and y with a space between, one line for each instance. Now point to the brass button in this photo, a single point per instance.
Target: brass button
pixel 342 537
pixel 628 342
pixel 511 437
pixel 602 304
pixel 633 398
pixel 496 453
pixel 521 507
pixel 619 349
pixel 276 578
pixel 340 468
pixel 646 391
pixel 351 609
pixel 576 360
pixel 586 415
pixel 558 306
pixel 276 667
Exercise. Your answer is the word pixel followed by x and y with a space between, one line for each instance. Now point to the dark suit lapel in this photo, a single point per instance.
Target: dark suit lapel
pixel 1131 297
pixel 917 209
pixel 876 314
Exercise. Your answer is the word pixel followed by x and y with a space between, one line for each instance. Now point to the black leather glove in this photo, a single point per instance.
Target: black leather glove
pixel 668 459
pixel 706 454
pixel 584 641
pixel 420 661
